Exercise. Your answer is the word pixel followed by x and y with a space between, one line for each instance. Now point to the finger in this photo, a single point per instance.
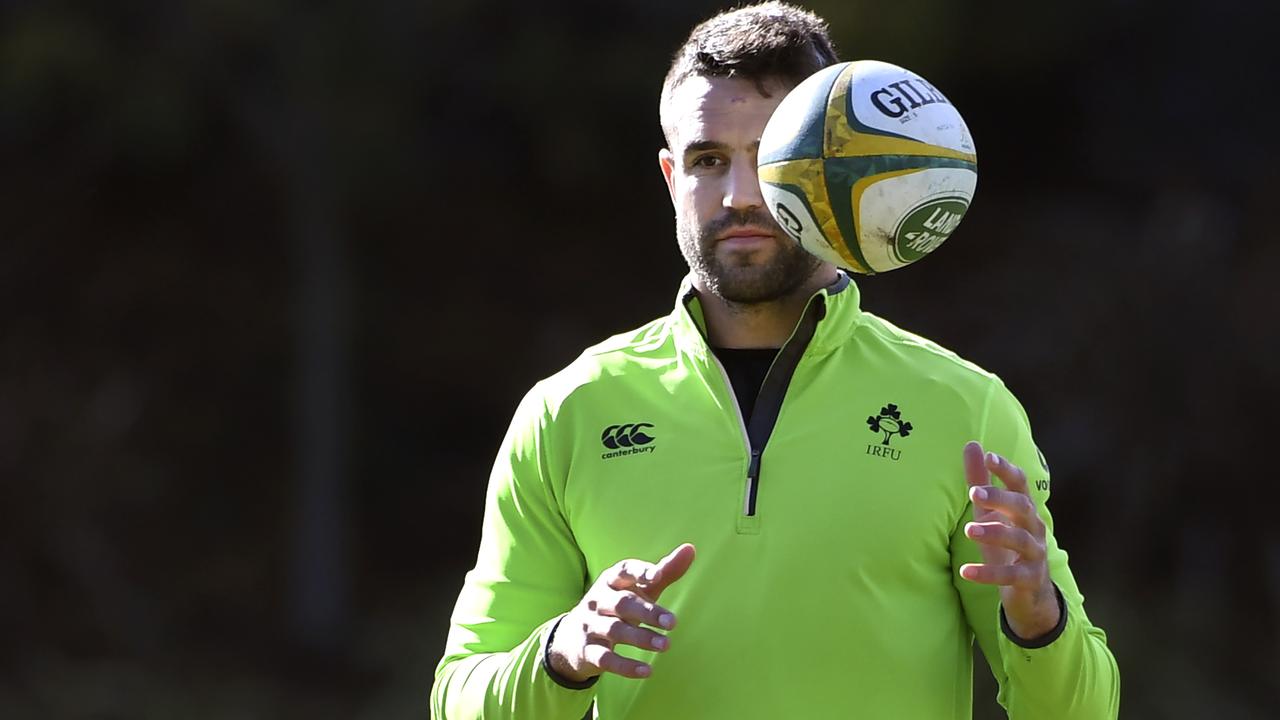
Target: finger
pixel 1011 538
pixel 1011 475
pixel 628 573
pixel 1016 506
pixel 636 610
pixel 612 631
pixel 670 569
pixel 609 661
pixel 975 471
pixel 997 574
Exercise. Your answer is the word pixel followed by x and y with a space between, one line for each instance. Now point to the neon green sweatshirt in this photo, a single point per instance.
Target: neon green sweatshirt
pixel 829 533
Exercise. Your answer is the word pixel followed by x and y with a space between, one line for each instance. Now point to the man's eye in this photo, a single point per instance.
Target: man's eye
pixel 707 161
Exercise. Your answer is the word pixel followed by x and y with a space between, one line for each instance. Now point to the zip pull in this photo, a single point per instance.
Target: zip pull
pixel 753 481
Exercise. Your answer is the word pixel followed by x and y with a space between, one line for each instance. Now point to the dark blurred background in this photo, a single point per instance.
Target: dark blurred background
pixel 273 276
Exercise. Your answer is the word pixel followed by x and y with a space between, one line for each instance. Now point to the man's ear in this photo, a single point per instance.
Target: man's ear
pixel 667 162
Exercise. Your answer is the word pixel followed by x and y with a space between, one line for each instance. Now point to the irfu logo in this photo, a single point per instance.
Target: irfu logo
pixel 926 227
pixel 889 422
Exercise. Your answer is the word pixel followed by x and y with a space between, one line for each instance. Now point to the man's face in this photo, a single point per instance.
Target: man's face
pixel 732 244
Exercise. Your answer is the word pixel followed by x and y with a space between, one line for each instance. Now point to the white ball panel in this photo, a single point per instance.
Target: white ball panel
pixel 895 100
pixel 791 212
pixel 885 204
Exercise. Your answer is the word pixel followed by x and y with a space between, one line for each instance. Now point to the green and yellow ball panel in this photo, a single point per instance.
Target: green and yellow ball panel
pixel 797 190
pixel 867 166
pixel 798 127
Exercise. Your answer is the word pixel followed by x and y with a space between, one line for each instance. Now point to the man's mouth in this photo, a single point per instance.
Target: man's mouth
pixel 745 238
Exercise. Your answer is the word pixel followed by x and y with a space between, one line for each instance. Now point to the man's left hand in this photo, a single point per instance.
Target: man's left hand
pixel 1011 536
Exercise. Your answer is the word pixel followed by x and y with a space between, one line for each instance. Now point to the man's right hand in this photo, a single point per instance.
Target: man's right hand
pixel 612 612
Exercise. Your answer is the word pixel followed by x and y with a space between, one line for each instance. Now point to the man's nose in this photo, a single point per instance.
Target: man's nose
pixel 743 190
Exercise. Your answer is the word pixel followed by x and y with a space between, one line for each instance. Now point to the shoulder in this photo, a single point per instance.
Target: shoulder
pixel 616 361
pixel 918 353
pixel 926 362
pixel 936 381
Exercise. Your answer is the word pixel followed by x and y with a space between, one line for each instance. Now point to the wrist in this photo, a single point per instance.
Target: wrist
pixel 558 667
pixel 1038 625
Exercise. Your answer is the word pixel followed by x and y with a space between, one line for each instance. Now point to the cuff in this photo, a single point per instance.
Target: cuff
pixel 1043 640
pixel 561 680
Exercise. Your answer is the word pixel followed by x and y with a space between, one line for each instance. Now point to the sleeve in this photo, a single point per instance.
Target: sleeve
pixel 529 571
pixel 1069 674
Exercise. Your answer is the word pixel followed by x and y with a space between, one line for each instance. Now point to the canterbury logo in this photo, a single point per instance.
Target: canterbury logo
pixel 625 436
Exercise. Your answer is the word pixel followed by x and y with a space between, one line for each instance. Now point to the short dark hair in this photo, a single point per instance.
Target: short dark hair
pixel 756 42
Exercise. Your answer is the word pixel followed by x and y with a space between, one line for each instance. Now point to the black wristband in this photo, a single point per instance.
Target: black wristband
pixel 559 679
pixel 1043 640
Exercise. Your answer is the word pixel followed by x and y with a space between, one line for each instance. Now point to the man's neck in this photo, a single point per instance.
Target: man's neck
pixel 759 325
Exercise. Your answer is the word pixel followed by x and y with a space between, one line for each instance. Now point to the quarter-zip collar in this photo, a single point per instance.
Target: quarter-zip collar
pixel 829 317
pixel 839 314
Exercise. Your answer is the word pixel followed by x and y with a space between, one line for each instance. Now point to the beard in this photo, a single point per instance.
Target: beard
pixel 742 278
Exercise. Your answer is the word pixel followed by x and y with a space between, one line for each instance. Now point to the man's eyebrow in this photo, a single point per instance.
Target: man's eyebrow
pixel 704 145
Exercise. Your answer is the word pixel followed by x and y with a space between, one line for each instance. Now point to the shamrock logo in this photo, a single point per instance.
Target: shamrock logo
pixel 889 422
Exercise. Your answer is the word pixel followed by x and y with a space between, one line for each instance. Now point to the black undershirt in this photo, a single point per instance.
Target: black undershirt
pixel 746 370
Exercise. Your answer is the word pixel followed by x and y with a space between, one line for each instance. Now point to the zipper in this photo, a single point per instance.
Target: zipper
pixel 766 413
pixel 748 505
pixel 753 482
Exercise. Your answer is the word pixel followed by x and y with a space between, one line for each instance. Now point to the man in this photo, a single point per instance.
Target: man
pixel 850 542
